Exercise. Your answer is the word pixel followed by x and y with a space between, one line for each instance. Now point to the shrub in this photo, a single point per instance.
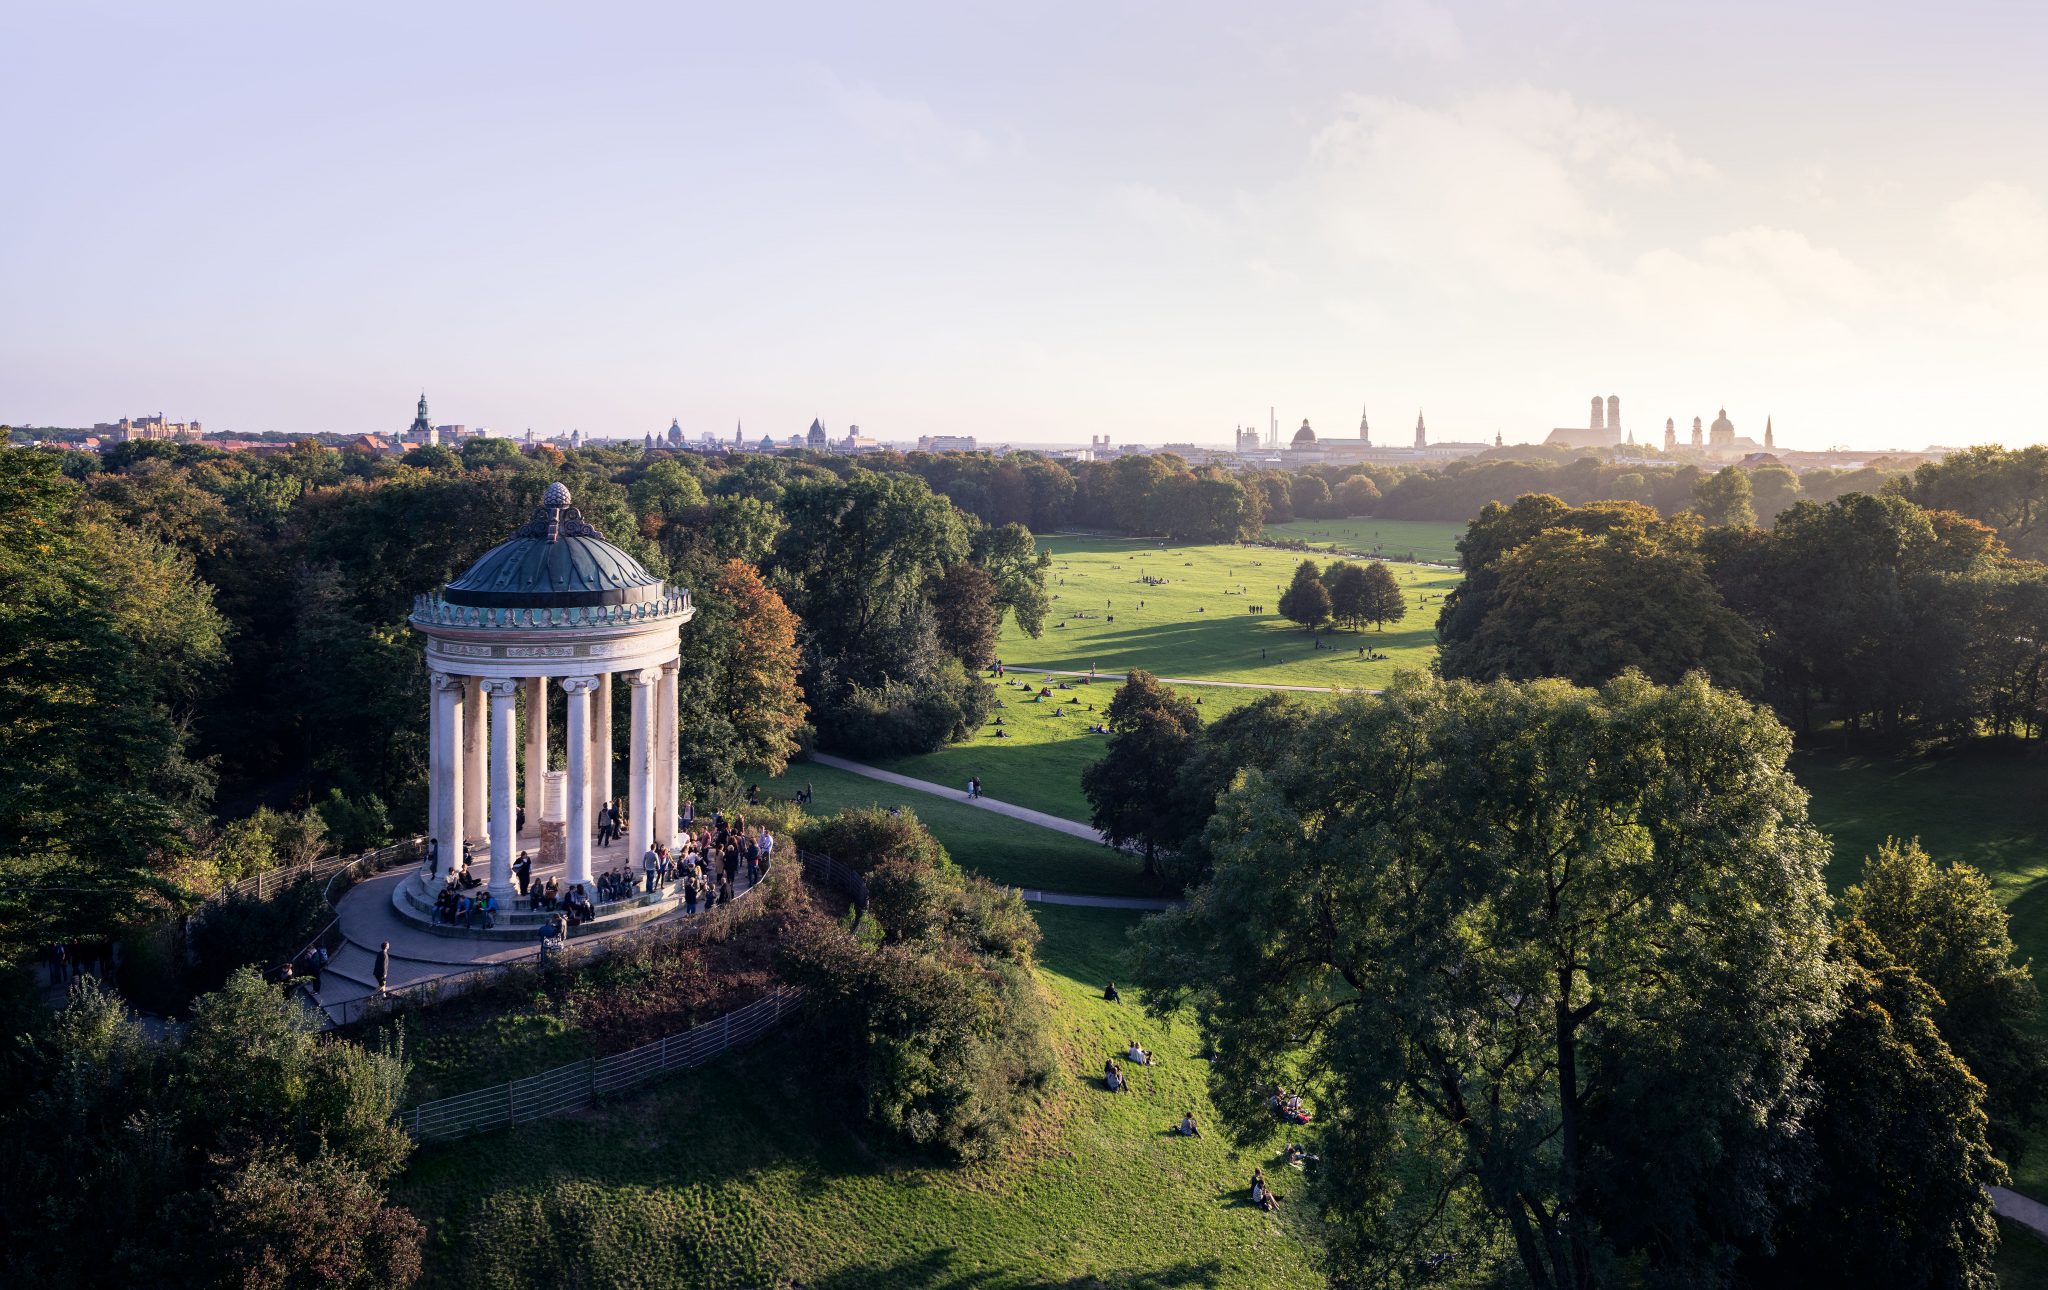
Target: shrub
pixel 861 838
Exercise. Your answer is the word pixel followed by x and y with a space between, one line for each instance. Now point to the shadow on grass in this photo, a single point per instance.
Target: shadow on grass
pixel 934 1270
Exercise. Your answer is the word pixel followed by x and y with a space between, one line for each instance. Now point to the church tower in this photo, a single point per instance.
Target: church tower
pixel 1599 421
pixel 1670 435
pixel 1696 443
pixel 420 429
pixel 1421 435
pixel 1496 439
pixel 1770 441
pixel 675 432
pixel 1614 415
pixel 1364 430
pixel 648 449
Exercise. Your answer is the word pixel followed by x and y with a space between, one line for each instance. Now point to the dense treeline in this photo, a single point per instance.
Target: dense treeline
pixel 188 633
pixel 1869 610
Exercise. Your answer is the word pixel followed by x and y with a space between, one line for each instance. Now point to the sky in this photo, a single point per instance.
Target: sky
pixel 1031 223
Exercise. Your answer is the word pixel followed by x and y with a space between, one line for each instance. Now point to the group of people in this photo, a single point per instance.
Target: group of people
pixel 575 902
pixel 69 960
pixel 458 909
pixel 1287 1105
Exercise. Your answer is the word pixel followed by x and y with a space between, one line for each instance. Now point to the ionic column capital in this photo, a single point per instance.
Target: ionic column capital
pixel 674 665
pixel 579 684
pixel 642 676
pixel 440 680
pixel 501 689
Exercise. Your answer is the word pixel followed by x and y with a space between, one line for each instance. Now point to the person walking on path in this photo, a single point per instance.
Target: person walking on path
pixel 383 967
pixel 650 862
pixel 522 869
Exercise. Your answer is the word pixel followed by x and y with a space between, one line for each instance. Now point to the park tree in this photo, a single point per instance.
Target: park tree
pixel 737 690
pixel 485 453
pixel 1724 498
pixel 1944 923
pixel 1863 606
pixel 1356 495
pixel 964 604
pixel 1133 790
pixel 1257 734
pixel 1544 961
pixel 1306 600
pixel 108 641
pixel 1310 495
pixel 1894 1192
pixel 1772 489
pixel 1276 496
pixel 1016 567
pixel 1591 596
pixel 2006 488
pixel 1350 592
pixel 855 563
pixel 1382 600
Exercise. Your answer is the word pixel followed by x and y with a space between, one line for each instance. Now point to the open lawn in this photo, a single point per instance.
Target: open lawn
pixel 1432 541
pixel 996 847
pixel 1199 621
pixel 737 1175
pixel 1038 764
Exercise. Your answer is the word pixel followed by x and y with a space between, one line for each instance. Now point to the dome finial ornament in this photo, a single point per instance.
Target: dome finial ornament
pixel 556 496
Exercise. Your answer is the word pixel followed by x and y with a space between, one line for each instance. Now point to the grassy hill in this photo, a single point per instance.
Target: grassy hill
pixel 735 1175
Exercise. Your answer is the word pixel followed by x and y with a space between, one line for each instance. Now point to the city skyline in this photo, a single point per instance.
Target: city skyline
pixel 966 224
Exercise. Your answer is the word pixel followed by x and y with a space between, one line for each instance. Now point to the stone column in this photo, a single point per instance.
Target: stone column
pixel 475 758
pixel 504 820
pixel 536 749
pixel 444 787
pixel 579 689
pixel 640 768
pixel 601 739
pixel 669 756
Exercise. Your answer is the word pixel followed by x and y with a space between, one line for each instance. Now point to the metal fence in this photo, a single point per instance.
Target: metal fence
pixel 580 1084
pixel 577 1085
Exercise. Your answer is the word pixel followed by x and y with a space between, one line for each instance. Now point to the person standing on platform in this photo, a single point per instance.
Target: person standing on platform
pixel 383 967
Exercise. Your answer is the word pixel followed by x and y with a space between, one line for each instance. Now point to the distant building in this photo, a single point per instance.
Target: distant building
pixel 815 438
pixel 1602 431
pixel 946 443
pixel 134 429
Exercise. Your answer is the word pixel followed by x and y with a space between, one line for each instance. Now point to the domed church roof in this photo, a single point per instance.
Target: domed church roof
pixel 1304 435
pixel 554 561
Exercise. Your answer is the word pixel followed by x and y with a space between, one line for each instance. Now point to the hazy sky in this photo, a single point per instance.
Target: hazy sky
pixel 1031 222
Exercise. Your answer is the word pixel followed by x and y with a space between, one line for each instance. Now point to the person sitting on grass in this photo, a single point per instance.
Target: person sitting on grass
pixel 1109 993
pixel 1262 1195
pixel 1113 1077
pixel 1138 1054
pixel 1186 1128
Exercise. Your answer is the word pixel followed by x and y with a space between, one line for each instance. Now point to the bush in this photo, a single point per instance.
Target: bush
pixel 940 1029
pixel 898 718
pixel 355 824
pixel 240 931
pixel 863 837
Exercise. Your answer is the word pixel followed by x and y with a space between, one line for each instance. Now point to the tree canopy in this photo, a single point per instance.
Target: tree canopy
pixel 1546 960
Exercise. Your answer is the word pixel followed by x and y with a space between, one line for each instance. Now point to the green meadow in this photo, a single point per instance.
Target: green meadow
pixel 1431 541
pixel 1210 613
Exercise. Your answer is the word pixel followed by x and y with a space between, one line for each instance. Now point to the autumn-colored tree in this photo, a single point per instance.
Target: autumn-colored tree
pixel 739 696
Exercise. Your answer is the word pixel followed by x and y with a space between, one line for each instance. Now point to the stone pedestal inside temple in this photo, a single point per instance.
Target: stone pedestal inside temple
pixel 554 826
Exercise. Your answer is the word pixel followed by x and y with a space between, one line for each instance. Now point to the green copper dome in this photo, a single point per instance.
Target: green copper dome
pixel 554 561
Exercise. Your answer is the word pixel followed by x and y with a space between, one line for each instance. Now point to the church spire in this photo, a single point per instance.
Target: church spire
pixel 1421 434
pixel 1769 439
pixel 420 425
pixel 1364 429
